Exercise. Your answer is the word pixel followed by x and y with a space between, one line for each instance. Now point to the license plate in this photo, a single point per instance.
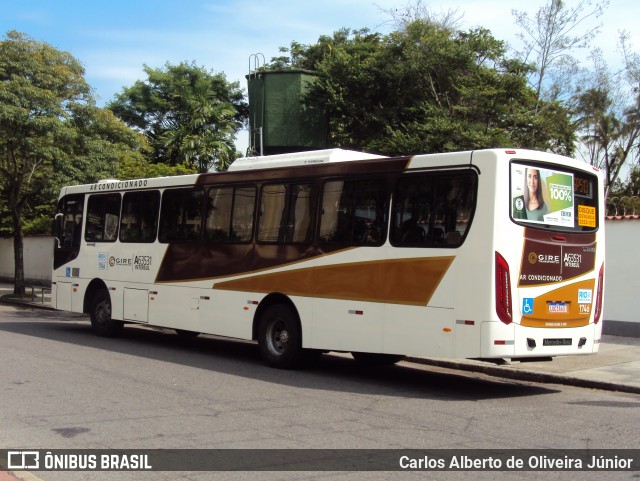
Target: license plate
pixel 556 342
pixel 555 307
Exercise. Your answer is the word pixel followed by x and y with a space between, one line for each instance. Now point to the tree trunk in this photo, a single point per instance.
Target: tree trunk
pixel 18 252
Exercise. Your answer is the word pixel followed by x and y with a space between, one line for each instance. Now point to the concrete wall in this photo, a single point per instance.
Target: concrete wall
pixel 38 259
pixel 622 277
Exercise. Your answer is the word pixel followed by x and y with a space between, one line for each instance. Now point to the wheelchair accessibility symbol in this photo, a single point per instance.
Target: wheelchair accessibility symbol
pixel 527 305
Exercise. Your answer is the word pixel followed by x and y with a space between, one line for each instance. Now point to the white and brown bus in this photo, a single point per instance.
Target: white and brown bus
pixel 486 254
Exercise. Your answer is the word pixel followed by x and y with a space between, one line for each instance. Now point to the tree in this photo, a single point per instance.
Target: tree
pixel 187 113
pixel 607 115
pixel 427 88
pixel 414 10
pixel 37 83
pixel 142 168
pixel 628 188
pixel 609 139
pixel 95 145
pixel 550 38
pixel 633 185
pixel 99 143
pixel 606 111
pixel 51 132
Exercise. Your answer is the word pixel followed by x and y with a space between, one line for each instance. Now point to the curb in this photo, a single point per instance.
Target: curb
pixel 22 476
pixel 9 475
pixel 525 375
pixel 21 303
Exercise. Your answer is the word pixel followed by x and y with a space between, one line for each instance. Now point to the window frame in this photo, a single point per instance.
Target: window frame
pixel 103 213
pixel 140 206
pixel 232 213
pixel 162 235
pixel 383 193
pixel 558 168
pixel 288 204
pixel 437 177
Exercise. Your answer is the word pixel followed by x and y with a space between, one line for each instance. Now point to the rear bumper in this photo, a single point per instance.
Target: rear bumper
pixel 516 341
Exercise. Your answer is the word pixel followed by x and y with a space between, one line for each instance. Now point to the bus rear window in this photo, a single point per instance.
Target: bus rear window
pixel 553 198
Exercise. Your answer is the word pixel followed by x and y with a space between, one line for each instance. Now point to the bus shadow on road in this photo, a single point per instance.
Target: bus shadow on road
pixel 331 372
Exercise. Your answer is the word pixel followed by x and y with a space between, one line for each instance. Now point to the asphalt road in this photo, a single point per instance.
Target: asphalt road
pixel 64 388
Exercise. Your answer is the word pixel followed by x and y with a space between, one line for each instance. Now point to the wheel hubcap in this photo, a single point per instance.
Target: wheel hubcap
pixel 279 338
pixel 103 312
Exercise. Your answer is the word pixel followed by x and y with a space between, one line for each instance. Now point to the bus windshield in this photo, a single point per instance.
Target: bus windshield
pixel 564 200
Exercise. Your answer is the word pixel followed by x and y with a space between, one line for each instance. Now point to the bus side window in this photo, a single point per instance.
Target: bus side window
pixel 72 222
pixel 229 214
pixel 139 221
pixel 181 215
pixel 286 213
pixel 433 210
pixel 244 207
pixel 331 195
pixel 354 212
pixel 218 215
pixel 68 229
pixel 272 212
pixel 103 213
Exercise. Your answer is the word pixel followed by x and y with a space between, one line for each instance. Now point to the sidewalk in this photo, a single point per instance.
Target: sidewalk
pixel 615 368
pixel 39 296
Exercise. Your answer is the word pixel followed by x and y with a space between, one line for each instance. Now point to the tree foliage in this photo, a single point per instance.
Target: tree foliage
pixel 427 88
pixel 607 115
pixel 51 133
pixel 187 113
pixel 605 106
pixel 421 10
pixel 132 168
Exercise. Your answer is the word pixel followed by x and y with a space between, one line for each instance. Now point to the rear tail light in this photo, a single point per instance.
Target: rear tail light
pixel 599 292
pixel 503 290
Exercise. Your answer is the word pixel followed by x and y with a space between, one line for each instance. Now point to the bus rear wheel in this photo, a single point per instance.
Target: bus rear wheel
pixel 375 359
pixel 101 321
pixel 280 337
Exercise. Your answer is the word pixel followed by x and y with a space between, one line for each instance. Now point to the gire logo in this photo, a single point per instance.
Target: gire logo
pixel 543 258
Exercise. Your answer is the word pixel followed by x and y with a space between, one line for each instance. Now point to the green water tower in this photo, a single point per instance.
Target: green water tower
pixel 279 122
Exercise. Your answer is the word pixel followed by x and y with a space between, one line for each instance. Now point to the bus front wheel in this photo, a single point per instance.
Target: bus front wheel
pixel 280 337
pixel 101 321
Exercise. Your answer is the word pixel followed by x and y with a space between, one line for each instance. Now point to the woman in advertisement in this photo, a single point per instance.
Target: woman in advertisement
pixel 534 203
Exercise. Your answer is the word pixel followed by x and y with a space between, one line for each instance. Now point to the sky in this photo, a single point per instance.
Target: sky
pixel 114 39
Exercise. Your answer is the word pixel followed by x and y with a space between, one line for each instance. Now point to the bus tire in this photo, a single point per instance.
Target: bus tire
pixel 280 337
pixel 101 322
pixel 375 359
